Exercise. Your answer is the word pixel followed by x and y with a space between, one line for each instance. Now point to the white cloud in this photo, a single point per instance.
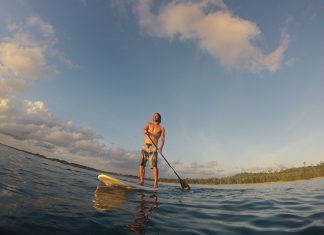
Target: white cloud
pixel 24 55
pixel 20 63
pixel 30 125
pixel 4 103
pixel 46 29
pixel 36 107
pixel 19 85
pixel 19 60
pixel 274 60
pixel 195 169
pixel 219 32
pixel 22 60
pixel 63 59
pixel 88 145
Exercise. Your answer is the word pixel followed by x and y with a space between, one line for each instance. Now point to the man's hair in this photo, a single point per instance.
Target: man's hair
pixel 160 118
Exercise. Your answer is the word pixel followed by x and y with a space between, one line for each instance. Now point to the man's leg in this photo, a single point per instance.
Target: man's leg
pixel 155 169
pixel 156 176
pixel 141 174
pixel 141 169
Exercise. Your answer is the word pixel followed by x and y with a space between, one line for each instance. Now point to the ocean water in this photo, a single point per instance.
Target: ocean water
pixel 38 196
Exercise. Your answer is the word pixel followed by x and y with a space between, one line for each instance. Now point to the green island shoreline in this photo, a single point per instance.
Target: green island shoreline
pixel 286 175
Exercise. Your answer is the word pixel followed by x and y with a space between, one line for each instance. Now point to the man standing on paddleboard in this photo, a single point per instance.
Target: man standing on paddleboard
pixel 153 131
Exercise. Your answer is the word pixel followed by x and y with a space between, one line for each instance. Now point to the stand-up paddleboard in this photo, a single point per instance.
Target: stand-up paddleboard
pixel 111 181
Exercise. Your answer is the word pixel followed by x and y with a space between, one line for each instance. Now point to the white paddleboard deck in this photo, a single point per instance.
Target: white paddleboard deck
pixel 111 181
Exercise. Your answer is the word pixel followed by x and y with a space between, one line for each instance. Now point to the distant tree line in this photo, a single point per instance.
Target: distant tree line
pixel 291 174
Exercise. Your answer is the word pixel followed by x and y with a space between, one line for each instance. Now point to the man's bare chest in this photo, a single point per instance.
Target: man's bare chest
pixel 155 129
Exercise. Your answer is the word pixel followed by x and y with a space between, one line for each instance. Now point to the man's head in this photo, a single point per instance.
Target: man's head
pixel 157 118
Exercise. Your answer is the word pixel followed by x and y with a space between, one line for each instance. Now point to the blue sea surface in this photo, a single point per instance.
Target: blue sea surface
pixel 38 196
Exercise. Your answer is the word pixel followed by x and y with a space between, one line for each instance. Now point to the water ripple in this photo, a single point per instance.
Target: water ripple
pixel 39 196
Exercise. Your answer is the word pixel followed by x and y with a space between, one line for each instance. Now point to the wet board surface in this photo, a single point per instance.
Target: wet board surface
pixel 111 181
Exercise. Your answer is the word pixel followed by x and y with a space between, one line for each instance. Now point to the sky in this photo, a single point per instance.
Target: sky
pixel 239 84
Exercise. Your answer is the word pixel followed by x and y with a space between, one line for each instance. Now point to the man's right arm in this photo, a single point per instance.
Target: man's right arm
pixel 146 129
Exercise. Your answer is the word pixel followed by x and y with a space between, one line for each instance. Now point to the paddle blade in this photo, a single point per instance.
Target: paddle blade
pixel 184 185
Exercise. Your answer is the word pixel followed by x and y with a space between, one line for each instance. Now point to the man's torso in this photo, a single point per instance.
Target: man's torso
pixel 155 131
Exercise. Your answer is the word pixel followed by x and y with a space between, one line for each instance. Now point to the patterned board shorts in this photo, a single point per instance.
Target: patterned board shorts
pixel 148 153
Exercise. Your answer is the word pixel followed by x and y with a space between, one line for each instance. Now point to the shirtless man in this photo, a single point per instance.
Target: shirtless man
pixel 149 151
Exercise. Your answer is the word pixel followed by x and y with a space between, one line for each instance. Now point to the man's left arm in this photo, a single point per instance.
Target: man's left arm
pixel 162 140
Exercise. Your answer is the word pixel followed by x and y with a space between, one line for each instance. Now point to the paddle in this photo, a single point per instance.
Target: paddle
pixel 184 185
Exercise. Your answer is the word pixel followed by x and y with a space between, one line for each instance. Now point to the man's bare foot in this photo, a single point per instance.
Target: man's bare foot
pixel 140 183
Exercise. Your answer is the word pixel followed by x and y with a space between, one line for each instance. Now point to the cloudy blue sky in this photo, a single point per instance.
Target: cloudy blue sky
pixel 239 84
